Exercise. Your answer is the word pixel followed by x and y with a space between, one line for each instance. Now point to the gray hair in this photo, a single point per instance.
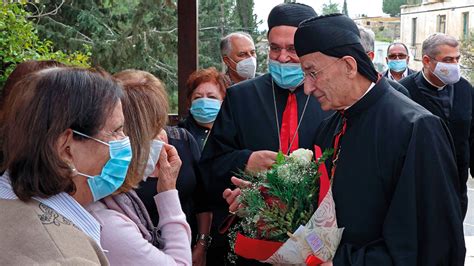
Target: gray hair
pixel 226 45
pixel 431 44
pixel 367 38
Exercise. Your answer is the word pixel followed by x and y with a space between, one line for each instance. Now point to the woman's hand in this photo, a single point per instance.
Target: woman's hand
pixel 199 255
pixel 169 165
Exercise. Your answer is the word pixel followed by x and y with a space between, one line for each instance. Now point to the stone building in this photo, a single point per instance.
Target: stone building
pixel 418 21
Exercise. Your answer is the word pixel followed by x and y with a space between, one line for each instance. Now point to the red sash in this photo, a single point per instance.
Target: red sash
pixel 289 125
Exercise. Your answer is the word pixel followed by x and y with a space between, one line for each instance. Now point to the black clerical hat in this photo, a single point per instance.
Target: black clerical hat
pixel 334 35
pixel 289 14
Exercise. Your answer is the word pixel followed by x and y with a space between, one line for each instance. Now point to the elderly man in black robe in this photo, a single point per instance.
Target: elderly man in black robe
pixel 440 88
pixel 394 174
pixel 263 115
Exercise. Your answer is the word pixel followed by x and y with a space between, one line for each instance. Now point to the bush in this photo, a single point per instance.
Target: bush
pixel 467 57
pixel 19 42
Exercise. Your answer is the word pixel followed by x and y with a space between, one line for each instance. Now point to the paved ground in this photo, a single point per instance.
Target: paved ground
pixel 469 224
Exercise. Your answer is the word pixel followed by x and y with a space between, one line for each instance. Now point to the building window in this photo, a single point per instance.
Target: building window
pixel 465 25
pixel 441 23
pixel 413 31
pixel 368 23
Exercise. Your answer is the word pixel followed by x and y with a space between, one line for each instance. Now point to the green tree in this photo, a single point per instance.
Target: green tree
pixel 19 42
pixel 330 8
pixel 392 7
pixel 467 55
pixel 218 18
pixel 139 34
pixel 344 8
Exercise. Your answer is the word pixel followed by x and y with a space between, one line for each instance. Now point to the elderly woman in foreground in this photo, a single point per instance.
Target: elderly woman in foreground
pixel 64 148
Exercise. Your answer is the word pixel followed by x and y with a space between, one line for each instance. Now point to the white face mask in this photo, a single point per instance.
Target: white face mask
pixel 246 68
pixel 447 73
pixel 155 150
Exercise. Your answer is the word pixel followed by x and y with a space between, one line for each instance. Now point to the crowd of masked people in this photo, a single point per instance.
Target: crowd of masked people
pixel 92 174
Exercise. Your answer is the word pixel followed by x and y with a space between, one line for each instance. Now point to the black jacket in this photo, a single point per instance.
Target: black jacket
pixel 459 122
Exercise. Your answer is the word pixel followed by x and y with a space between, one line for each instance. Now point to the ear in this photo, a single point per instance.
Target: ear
pixel 162 136
pixel 63 145
pixel 426 61
pixel 226 60
pixel 350 66
pixel 386 60
pixel 371 55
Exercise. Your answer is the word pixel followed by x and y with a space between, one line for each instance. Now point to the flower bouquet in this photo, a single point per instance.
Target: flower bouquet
pixel 288 214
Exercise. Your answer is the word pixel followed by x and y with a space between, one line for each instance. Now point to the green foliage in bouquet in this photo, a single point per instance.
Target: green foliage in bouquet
pixel 281 199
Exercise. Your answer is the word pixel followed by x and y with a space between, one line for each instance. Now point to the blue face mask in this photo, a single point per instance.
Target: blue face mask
pixel 114 171
pixel 397 65
pixel 287 75
pixel 205 110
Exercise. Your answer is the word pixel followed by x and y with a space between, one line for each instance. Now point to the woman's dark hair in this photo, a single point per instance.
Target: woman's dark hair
pixel 20 71
pixel 38 110
pixel 23 69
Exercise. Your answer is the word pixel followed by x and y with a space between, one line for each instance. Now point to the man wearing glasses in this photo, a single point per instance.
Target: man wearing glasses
pixel 397 62
pixel 263 115
pixel 440 88
pixel 393 172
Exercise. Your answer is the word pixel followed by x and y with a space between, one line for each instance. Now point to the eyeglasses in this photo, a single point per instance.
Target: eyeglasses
pixel 314 74
pixel 277 49
pixel 397 56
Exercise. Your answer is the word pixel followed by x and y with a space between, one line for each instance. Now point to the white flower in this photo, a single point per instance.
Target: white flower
pixel 284 171
pixel 303 156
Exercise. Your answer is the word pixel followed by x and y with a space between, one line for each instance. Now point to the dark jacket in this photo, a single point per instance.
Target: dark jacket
pixel 410 71
pixel 459 122
pixel 199 132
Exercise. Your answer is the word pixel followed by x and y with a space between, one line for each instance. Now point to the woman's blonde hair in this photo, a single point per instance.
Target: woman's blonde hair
pixel 145 108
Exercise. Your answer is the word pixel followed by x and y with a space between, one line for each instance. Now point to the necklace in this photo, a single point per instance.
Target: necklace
pixel 278 124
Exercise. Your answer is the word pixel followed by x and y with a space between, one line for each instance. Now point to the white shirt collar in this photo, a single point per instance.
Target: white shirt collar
pixel 62 203
pixel 367 91
pixel 405 73
pixel 432 84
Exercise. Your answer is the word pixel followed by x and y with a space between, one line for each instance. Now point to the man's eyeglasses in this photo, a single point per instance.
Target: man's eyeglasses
pixel 397 56
pixel 277 49
pixel 314 74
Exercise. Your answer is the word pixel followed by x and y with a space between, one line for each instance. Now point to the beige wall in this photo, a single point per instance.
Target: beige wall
pixel 427 21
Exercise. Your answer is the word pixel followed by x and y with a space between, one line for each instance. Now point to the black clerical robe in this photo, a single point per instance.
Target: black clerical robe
pixel 458 119
pixel 398 87
pixel 395 184
pixel 246 123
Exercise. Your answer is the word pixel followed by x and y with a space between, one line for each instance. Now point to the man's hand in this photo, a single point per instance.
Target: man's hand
pixel 232 196
pixel 260 160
